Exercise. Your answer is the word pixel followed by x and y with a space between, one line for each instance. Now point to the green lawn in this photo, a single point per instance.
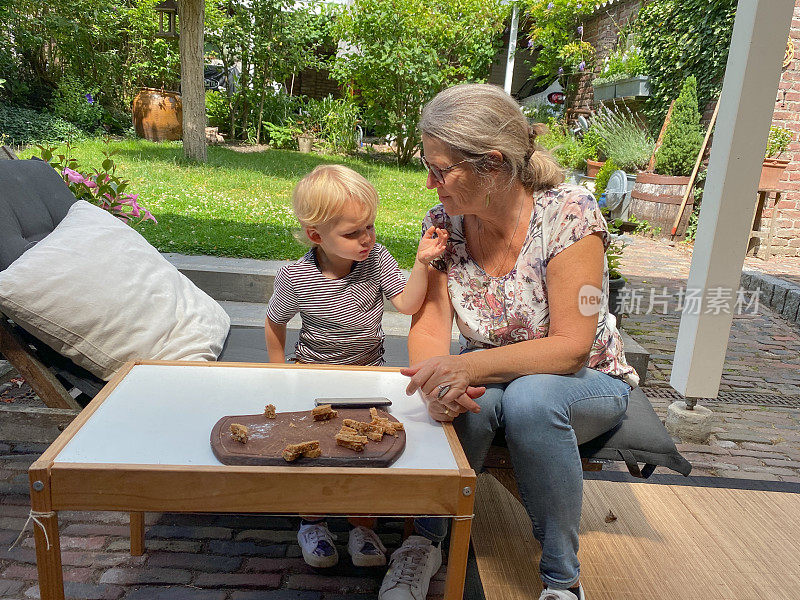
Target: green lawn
pixel 239 203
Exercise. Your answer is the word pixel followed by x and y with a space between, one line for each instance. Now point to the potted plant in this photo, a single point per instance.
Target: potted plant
pixel 623 74
pixel 773 166
pixel 656 197
pixel 592 150
pixel 624 139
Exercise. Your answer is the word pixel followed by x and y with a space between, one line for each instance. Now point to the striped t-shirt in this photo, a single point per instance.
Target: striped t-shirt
pixel 341 318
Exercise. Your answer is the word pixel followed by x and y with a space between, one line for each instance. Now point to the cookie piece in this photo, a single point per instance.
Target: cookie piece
pixel 269 411
pixel 350 440
pixel 239 432
pixel 373 432
pixel 308 449
pixel 323 412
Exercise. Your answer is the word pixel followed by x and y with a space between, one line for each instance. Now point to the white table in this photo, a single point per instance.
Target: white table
pixel 143 445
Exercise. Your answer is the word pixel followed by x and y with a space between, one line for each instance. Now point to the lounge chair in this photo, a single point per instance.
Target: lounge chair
pixel 34 199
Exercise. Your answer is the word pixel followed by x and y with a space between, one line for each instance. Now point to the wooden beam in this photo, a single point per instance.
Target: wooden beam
pixel 39 377
pixel 745 113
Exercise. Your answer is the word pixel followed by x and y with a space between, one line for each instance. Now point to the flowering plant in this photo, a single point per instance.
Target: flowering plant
pixel 103 187
pixel 624 62
pixel 778 141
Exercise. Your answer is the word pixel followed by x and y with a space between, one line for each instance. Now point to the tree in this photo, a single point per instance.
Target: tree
pixel 683 135
pixel 395 55
pixel 191 14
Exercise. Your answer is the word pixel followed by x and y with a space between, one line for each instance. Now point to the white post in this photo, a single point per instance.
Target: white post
pixel 745 114
pixel 512 49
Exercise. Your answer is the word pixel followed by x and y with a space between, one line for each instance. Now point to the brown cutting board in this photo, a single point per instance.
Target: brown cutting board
pixel 268 438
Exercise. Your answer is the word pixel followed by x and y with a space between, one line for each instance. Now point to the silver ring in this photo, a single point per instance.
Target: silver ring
pixel 443 389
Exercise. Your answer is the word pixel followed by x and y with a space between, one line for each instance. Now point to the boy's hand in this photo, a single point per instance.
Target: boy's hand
pixel 430 247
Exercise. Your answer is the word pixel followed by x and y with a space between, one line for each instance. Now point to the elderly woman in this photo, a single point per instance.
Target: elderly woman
pixel 525 277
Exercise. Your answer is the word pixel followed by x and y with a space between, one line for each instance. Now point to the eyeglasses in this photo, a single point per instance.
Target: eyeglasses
pixel 438 174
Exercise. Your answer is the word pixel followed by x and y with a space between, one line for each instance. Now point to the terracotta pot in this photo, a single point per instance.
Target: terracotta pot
pixel 771 171
pixel 158 115
pixel 657 199
pixel 592 167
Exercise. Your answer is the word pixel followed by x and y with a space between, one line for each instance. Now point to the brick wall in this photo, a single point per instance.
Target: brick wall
pixel 601 30
pixel 787 114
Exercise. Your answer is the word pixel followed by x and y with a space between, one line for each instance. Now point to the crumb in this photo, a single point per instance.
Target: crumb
pixel 353 441
pixel 269 411
pixel 323 412
pixel 291 424
pixel 611 517
pixel 239 432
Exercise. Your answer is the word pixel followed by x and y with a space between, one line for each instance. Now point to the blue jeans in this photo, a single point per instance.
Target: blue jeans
pixel 545 417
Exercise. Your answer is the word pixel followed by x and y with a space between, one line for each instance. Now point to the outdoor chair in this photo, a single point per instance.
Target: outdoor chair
pixel 34 199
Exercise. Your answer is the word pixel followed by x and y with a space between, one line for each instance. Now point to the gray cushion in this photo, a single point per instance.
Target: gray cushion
pixel 33 200
pixel 639 438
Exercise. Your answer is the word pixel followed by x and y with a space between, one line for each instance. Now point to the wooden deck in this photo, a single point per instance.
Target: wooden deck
pixel 670 542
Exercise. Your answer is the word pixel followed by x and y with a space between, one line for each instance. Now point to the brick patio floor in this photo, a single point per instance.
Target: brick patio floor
pixel 248 557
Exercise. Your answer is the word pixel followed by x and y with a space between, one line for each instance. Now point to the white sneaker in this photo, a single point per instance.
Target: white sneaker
pixel 410 570
pixel 561 594
pixel 365 548
pixel 316 542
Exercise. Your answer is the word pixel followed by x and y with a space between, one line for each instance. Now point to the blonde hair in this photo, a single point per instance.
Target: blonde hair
pixel 324 194
pixel 477 118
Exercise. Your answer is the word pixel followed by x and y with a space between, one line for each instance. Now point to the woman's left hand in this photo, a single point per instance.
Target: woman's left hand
pixel 445 384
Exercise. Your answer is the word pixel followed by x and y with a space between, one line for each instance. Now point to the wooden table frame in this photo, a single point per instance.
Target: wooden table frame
pixel 137 489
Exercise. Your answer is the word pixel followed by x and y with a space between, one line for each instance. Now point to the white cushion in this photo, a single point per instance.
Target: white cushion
pixel 97 292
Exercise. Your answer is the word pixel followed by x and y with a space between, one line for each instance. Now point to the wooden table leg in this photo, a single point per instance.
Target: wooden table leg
pixel 48 558
pixel 457 558
pixel 773 220
pixel 137 533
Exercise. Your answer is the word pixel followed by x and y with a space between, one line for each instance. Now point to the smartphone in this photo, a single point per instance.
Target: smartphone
pixel 353 402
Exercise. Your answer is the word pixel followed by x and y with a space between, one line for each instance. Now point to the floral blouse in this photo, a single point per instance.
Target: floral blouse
pixel 495 311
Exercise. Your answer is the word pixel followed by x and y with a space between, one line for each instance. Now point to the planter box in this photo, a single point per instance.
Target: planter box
pixel 633 86
pixel 604 91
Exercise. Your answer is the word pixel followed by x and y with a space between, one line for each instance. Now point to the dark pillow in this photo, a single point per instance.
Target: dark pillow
pixel 639 438
pixel 33 200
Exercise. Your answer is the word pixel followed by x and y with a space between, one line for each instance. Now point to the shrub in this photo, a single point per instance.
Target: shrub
pixel 23 126
pixel 334 121
pixel 683 135
pixel 592 143
pixel 282 137
pixel 624 138
pixel 601 181
pixel 564 147
pixel 77 103
pixel 218 111
pixel 622 63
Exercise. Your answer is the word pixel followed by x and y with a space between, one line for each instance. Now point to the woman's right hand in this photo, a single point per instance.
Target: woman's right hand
pixel 445 385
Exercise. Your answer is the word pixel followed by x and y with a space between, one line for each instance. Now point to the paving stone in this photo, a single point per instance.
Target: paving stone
pixel 74 543
pixel 9 588
pixel 283 595
pixel 744 436
pixel 789 464
pixel 771 470
pixel 182 533
pixel 702 449
pixel 246 549
pixel 238 580
pixel 174 593
pixel 92 529
pixel 83 591
pixel 325 583
pixel 746 475
pixel 265 535
pixel 272 565
pixel 194 562
pixel 146 576
pixel 97 559
pixel 158 545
